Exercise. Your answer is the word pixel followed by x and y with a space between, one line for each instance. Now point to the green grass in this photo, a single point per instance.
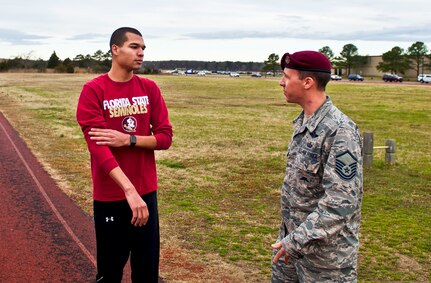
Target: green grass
pixel 220 181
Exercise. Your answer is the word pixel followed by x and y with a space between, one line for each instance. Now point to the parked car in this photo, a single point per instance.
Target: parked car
pixel 201 73
pixel 335 78
pixel 234 74
pixel 424 78
pixel 392 78
pixel 256 75
pixel 355 77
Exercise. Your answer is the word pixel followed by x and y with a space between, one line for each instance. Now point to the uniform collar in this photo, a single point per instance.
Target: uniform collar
pixel 315 119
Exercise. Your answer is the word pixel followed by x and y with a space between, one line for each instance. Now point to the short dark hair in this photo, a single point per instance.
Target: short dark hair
pixel 118 37
pixel 321 78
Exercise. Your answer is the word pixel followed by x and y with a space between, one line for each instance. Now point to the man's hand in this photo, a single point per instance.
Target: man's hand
pixel 109 137
pixel 280 253
pixel 139 208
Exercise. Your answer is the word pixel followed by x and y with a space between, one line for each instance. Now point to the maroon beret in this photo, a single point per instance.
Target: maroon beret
pixel 310 61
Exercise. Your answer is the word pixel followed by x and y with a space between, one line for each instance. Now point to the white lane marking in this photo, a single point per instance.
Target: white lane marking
pixel 50 203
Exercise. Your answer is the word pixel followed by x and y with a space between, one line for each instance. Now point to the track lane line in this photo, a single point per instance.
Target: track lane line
pixel 50 203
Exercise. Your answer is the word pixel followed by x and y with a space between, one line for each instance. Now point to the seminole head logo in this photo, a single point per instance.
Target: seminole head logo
pixel 130 124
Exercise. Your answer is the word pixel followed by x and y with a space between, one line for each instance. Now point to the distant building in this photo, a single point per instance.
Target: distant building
pixel 370 68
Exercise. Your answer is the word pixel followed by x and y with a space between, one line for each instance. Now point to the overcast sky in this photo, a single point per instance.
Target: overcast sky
pixel 217 30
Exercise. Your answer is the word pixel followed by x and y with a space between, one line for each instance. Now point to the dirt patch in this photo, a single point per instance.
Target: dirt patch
pixel 409 264
pixel 181 265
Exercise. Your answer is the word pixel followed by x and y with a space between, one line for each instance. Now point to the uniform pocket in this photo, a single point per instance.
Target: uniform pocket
pixel 304 172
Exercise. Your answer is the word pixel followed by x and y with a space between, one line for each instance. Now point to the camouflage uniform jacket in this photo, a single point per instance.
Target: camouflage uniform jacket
pixel 322 190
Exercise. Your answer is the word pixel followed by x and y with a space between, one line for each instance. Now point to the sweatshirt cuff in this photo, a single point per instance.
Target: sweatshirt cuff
pixel 108 165
pixel 163 141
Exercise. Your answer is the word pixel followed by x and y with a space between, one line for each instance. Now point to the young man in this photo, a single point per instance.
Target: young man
pixel 322 189
pixel 124 119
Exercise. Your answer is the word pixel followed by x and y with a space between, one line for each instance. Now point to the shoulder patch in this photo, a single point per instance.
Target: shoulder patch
pixel 346 165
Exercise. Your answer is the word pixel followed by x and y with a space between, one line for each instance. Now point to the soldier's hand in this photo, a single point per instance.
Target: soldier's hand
pixel 109 137
pixel 280 253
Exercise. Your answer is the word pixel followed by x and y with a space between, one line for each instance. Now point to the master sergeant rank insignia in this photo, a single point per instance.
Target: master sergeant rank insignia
pixel 346 166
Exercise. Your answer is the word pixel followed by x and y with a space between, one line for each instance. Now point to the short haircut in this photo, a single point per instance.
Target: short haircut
pixel 321 78
pixel 118 37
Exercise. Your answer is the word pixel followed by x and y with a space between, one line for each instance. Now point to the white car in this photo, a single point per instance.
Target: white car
pixel 202 73
pixel 424 78
pixel 335 78
pixel 234 74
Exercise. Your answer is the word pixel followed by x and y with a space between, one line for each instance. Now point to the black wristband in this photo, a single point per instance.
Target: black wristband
pixel 132 140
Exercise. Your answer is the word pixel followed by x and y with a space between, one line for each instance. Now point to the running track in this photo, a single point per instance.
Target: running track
pixel 44 235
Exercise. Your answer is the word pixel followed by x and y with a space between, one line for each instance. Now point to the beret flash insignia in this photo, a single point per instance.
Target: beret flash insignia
pixel 287 60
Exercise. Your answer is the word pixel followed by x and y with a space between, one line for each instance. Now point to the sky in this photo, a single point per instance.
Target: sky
pixel 217 30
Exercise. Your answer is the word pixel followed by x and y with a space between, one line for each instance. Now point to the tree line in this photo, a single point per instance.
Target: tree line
pixel 397 60
pixel 99 62
pixel 203 65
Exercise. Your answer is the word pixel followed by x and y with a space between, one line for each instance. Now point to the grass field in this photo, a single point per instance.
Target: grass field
pixel 220 181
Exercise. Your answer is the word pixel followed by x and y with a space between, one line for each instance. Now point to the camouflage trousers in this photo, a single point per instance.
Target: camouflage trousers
pixel 295 271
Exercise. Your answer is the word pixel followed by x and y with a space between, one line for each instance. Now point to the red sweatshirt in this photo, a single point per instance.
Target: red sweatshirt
pixel 134 107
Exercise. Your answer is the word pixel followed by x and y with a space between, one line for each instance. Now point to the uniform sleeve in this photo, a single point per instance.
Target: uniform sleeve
pixel 161 126
pixel 89 114
pixel 342 183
